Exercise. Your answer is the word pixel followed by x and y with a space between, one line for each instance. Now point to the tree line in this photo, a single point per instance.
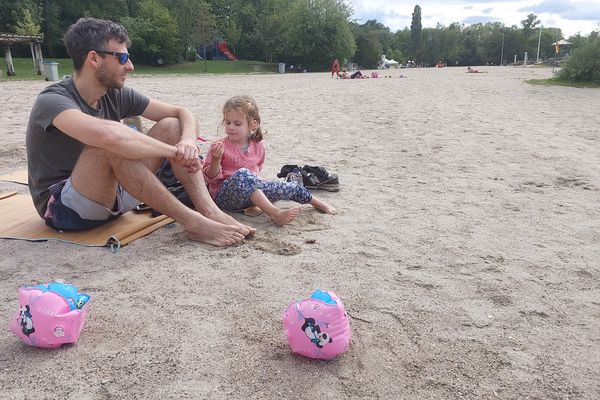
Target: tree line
pixel 310 33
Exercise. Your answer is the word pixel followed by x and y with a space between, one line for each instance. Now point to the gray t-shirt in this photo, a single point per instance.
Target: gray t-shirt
pixel 52 154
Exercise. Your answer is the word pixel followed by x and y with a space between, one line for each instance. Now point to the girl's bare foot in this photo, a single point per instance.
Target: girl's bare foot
pixel 283 217
pixel 321 205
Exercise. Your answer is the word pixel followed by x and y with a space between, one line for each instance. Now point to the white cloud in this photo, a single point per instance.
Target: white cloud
pixel 571 16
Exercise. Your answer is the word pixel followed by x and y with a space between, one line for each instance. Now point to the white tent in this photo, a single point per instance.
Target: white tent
pixel 387 63
pixel 561 42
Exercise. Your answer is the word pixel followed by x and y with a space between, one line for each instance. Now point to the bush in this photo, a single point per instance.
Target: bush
pixel 584 63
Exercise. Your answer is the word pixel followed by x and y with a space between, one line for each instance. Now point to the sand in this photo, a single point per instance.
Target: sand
pixel 466 248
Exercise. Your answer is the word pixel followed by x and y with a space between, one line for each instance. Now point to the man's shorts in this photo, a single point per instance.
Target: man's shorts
pixel 69 210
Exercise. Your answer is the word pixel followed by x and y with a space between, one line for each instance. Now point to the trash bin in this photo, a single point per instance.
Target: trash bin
pixel 51 70
pixel 282 68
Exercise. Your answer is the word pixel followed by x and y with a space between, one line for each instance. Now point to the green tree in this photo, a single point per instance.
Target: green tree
pixel 205 28
pixel 52 27
pixel 530 24
pixel 267 35
pixel 368 49
pixel 316 32
pixel 190 15
pixel 27 25
pixel 373 39
pixel 154 34
pixel 133 7
pixel 416 34
pixel 468 55
pixel 401 43
pixel 549 36
pixel 232 32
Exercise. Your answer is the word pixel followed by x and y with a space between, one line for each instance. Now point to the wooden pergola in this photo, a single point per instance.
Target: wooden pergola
pixel 35 43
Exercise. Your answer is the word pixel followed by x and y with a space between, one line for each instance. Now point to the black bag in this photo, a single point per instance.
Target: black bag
pixel 313 177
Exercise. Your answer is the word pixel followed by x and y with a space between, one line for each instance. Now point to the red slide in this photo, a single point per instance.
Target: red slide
pixel 223 47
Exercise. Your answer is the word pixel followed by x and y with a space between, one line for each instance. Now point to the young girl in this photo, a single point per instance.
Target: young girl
pixel 233 164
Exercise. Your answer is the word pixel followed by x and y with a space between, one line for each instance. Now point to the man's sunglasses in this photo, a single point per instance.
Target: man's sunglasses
pixel 123 57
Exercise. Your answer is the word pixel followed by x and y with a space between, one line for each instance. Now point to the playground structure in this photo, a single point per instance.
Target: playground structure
pixel 35 43
pixel 217 50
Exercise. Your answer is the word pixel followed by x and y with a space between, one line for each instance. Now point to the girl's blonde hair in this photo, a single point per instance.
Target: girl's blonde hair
pixel 247 106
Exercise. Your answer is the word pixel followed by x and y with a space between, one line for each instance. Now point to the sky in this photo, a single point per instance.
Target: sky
pixel 572 16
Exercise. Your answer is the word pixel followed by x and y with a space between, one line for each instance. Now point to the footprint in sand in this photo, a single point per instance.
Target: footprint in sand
pixel 274 246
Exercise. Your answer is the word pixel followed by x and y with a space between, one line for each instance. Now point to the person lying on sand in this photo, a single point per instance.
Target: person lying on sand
pixel 355 75
pixel 86 168
pixel 475 71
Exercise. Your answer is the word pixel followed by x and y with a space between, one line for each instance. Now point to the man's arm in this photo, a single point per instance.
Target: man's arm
pixel 111 136
pixel 157 110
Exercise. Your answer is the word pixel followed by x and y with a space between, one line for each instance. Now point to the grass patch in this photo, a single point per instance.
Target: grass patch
pixel 25 70
pixel 560 82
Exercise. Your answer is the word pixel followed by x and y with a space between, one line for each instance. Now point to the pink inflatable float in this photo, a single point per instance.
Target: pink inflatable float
pixel 318 327
pixel 50 315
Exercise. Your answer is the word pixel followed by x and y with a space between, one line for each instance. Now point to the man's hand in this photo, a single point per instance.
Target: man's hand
pixel 187 155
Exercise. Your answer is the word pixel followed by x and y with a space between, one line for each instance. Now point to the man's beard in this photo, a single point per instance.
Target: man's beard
pixel 108 79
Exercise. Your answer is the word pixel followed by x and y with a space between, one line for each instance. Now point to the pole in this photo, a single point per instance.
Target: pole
pixel 539 42
pixel 502 51
pixel 10 68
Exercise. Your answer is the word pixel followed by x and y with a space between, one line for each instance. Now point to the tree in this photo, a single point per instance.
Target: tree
pixel 133 7
pixel 402 44
pixel 205 28
pixel 416 35
pixel 372 40
pixel 530 23
pixel 468 55
pixel 368 49
pixel 267 34
pixel 315 32
pixel 27 25
pixel 52 27
pixel 189 15
pixel 232 32
pixel 154 34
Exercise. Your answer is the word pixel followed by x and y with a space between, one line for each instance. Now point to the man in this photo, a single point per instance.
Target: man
pixel 86 168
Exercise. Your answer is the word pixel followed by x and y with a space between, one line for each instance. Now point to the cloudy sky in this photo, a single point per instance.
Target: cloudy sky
pixel 571 16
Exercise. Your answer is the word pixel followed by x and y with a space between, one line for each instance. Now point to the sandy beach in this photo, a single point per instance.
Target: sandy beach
pixel 466 250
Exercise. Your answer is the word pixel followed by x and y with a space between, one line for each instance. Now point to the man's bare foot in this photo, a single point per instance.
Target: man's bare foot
pixel 282 217
pixel 321 205
pixel 219 216
pixel 214 233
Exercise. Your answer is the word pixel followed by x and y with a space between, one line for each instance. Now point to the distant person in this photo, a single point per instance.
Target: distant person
pixel 356 75
pixel 475 71
pixel 86 168
pixel 233 165
pixel 335 67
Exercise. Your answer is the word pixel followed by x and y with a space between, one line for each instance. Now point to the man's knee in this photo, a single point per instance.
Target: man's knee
pixel 166 130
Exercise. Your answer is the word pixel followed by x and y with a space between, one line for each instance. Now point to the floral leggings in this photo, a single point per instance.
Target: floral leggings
pixel 236 190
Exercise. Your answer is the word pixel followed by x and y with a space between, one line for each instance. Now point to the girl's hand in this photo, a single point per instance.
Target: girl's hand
pixel 217 150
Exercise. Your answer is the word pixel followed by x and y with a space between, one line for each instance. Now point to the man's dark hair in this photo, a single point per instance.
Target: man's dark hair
pixel 91 34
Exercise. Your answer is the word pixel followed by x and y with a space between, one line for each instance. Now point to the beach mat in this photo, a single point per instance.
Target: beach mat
pixel 16 177
pixel 20 220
